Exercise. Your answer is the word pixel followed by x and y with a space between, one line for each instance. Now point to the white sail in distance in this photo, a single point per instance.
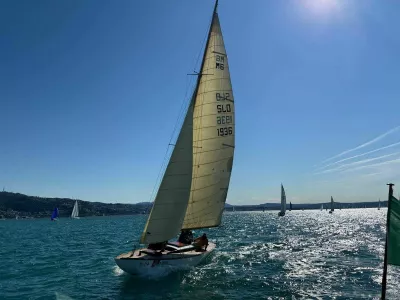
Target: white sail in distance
pixel 283 200
pixel 332 205
pixel 213 136
pixel 75 210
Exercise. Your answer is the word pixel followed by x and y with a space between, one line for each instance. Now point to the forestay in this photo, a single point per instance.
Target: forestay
pixel 166 217
pixel 213 136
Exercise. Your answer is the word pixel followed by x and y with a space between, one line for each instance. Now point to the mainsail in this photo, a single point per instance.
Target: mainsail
pixel 283 200
pixel 332 204
pixel 54 215
pixel 290 206
pixel 75 210
pixel 213 136
pixel 194 187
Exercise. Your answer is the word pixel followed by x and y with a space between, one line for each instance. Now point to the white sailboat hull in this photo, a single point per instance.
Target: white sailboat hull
pixel 144 264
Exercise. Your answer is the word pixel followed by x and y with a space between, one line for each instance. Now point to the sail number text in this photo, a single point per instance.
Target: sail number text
pixel 224 120
pixel 223 131
pixel 220 62
pixel 224 108
pixel 223 96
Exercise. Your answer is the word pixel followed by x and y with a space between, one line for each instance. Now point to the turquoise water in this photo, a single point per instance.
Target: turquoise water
pixel 304 255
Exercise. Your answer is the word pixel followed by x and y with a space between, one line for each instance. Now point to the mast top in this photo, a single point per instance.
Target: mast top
pixel 215 7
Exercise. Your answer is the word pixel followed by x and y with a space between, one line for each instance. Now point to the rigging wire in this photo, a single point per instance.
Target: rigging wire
pixel 180 119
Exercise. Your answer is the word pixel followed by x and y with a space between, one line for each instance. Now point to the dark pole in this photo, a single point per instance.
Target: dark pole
pixel 196 89
pixel 383 297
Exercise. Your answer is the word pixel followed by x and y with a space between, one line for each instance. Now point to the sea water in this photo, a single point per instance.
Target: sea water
pixel 303 255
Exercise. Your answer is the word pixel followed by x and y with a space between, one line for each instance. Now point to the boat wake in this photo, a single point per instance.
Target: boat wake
pixel 117 271
pixel 60 296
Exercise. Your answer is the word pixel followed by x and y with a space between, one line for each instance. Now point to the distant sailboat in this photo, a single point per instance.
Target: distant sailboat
pixel 75 211
pixel 290 206
pixel 379 204
pixel 283 202
pixel 233 208
pixel 332 204
pixel 322 206
pixel 54 215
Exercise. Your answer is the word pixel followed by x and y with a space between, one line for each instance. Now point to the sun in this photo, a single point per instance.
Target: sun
pixel 322 7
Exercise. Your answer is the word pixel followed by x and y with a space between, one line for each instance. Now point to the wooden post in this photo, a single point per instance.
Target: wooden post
pixel 383 296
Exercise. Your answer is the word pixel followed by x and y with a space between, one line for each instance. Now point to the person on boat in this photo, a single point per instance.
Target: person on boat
pixel 186 237
pixel 157 246
pixel 201 242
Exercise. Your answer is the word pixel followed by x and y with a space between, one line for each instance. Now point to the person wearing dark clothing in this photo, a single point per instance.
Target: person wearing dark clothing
pixel 157 246
pixel 186 237
pixel 201 242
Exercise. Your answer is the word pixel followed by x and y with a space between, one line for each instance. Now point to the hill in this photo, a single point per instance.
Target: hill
pixel 300 206
pixel 13 204
pixel 24 206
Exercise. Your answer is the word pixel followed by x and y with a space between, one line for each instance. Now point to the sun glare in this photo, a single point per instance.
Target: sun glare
pixel 322 7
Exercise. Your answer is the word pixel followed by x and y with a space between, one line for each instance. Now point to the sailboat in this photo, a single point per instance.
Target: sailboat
pixel 75 211
pixel 54 215
pixel 290 206
pixel 193 190
pixel 283 202
pixel 233 208
pixel 322 206
pixel 379 204
pixel 332 204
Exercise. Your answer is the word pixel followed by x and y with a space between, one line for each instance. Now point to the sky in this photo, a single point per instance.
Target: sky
pixel 90 92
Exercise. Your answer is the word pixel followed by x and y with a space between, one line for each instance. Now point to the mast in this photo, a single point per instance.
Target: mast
pixel 200 74
pixel 383 297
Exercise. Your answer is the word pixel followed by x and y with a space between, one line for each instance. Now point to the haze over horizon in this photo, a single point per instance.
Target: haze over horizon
pixel 90 93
